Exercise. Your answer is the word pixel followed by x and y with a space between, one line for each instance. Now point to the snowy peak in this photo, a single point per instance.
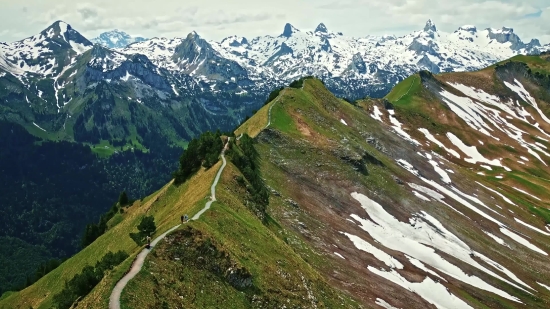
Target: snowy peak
pixel 289 30
pixel 234 41
pixel 192 50
pixel 468 28
pixel 63 34
pixel 430 26
pixel 116 39
pixel 321 28
pixel 47 53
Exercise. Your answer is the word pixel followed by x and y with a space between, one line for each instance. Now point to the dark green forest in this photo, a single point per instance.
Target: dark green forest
pixel 50 191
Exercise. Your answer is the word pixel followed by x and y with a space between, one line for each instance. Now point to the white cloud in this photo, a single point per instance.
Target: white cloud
pixel 216 19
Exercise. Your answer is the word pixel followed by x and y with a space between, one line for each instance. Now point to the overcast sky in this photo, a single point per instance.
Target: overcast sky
pixel 216 19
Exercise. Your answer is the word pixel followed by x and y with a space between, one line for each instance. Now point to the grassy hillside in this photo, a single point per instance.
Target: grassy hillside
pixel 191 267
pixel 237 236
pixel 364 208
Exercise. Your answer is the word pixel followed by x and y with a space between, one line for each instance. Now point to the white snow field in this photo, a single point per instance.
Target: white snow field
pixel 526 193
pixel 522 240
pixel 433 292
pixel 420 238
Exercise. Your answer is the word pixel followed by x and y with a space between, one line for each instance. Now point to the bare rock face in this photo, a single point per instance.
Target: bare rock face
pixel 505 35
pixel 430 26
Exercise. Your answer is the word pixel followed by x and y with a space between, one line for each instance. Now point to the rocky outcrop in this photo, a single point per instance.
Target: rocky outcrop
pixel 289 30
pixel 427 64
pixel 358 64
pixel 321 28
pixel 430 26
pixel 137 66
pixel 505 35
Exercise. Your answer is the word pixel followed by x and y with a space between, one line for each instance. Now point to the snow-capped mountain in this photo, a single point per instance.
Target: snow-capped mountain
pixel 46 53
pixel 229 79
pixel 352 67
pixel 116 39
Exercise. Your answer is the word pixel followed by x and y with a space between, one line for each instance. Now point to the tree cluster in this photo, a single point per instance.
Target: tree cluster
pixel 299 83
pixel 246 159
pixel 145 228
pixel 81 284
pixel 203 151
pixel 273 95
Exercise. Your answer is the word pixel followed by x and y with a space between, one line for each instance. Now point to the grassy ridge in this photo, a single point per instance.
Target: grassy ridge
pixel 251 245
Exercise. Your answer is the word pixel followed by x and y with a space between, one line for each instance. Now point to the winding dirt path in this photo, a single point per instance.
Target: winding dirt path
pixel 114 299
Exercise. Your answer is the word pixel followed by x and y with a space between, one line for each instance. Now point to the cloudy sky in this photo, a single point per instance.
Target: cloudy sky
pixel 216 19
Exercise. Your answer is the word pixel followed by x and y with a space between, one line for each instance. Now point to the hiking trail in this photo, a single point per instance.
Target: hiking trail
pixel 114 299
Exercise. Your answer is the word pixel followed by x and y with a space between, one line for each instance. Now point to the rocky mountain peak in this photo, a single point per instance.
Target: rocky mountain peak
pixel 116 39
pixel 289 30
pixel 321 28
pixel 504 35
pixel 430 26
pixel 535 42
pixel 468 28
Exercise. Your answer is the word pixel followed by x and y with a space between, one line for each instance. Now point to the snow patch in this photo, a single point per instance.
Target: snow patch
pixel 497 239
pixel 376 113
pixel 444 176
pixel 521 240
pixel 399 130
pixel 544 286
pixel 420 265
pixel 531 227
pixel 420 196
pixel 526 193
pixel 432 138
pixel 378 254
pixel 507 200
pixel 471 151
pixel 382 303
pixel 524 94
pixel 339 255
pixel 433 292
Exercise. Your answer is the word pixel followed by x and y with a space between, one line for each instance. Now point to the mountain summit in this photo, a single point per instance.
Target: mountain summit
pixel 116 39
pixel 289 30
pixel 430 26
pixel 321 28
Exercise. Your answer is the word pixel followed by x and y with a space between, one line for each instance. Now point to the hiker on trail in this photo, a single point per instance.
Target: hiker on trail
pixel 186 218
pixel 148 241
pixel 182 219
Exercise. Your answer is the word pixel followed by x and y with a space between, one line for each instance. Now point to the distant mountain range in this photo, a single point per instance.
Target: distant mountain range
pixel 58 83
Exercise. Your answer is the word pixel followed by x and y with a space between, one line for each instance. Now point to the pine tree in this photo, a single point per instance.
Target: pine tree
pixel 123 199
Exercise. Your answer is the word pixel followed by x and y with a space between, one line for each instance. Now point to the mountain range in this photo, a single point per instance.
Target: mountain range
pixel 434 196
pixel 51 76
pixel 118 118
